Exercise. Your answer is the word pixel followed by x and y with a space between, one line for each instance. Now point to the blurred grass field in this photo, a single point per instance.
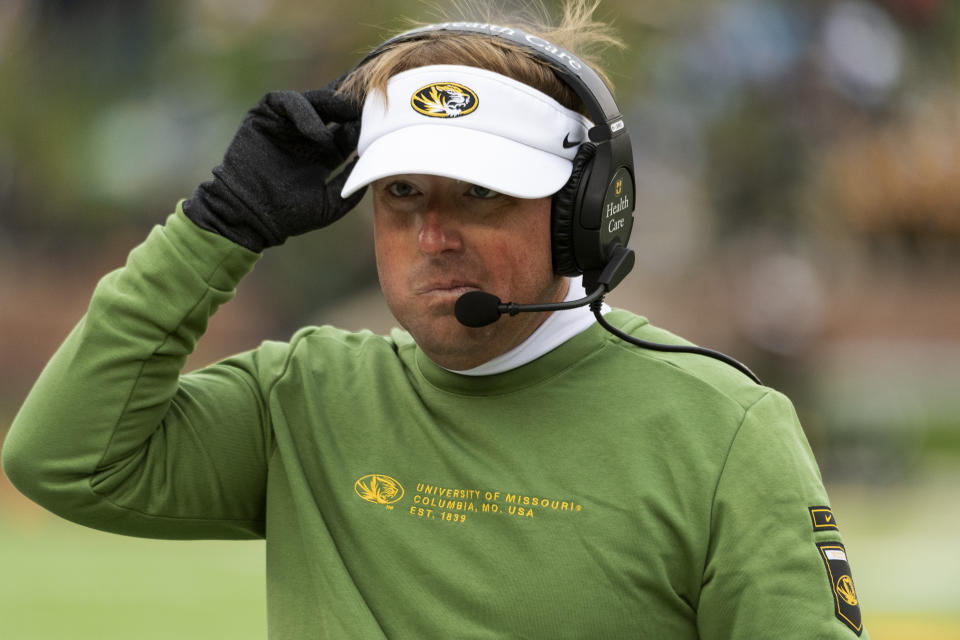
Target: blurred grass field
pixel 62 581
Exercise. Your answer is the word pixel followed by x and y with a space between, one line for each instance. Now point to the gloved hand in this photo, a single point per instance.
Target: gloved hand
pixel 273 182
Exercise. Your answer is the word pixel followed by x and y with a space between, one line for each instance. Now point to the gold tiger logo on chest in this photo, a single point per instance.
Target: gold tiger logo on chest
pixel 379 489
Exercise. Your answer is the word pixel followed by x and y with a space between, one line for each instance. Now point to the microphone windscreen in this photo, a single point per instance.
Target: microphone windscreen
pixel 477 309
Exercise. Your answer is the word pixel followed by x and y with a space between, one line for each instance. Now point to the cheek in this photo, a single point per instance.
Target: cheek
pixel 524 262
pixel 388 245
pixel 530 243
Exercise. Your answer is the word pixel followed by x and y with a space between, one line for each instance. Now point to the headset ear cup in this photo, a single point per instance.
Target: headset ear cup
pixel 564 212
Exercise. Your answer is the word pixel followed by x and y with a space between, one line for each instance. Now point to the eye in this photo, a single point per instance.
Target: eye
pixel 401 189
pixel 482 192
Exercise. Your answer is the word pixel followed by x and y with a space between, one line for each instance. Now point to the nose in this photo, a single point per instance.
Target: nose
pixel 439 232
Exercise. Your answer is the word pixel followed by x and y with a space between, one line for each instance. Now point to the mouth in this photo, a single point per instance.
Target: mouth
pixel 446 288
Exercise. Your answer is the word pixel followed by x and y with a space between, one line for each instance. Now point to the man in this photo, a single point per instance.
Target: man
pixel 535 477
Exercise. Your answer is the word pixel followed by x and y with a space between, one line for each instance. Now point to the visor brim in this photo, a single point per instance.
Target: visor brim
pixel 459 153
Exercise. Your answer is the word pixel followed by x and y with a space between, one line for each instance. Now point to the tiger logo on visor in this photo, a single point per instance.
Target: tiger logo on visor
pixel 444 100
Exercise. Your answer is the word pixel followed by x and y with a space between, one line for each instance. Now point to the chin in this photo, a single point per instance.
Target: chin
pixel 446 331
pixel 452 345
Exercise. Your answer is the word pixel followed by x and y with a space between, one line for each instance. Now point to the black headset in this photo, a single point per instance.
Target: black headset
pixel 593 213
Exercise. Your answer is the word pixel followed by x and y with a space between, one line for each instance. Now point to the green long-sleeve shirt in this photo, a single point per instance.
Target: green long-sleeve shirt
pixel 600 491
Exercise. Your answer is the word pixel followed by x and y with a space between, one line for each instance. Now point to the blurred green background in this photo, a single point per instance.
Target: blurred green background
pixel 798 207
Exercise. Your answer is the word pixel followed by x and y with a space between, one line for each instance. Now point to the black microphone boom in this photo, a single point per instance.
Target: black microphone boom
pixel 478 308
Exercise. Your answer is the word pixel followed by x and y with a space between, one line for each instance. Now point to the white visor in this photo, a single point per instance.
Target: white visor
pixel 468 124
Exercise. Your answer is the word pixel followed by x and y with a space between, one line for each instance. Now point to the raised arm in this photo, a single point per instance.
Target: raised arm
pixel 109 437
pixel 112 436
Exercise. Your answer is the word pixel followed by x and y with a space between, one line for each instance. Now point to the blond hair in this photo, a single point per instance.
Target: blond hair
pixel 577 31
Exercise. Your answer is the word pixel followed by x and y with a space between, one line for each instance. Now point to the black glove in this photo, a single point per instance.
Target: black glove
pixel 273 182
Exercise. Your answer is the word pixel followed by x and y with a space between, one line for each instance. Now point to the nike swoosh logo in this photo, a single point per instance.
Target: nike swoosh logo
pixel 567 144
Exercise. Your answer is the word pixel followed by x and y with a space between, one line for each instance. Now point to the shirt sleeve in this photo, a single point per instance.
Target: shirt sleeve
pixel 766 575
pixel 113 437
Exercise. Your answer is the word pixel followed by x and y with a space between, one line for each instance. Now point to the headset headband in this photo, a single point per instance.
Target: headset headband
pixel 585 82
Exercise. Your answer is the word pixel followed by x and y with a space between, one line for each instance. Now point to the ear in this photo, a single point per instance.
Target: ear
pixel 564 212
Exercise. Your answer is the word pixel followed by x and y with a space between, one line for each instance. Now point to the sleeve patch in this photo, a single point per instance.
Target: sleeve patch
pixel 846 602
pixel 823 518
